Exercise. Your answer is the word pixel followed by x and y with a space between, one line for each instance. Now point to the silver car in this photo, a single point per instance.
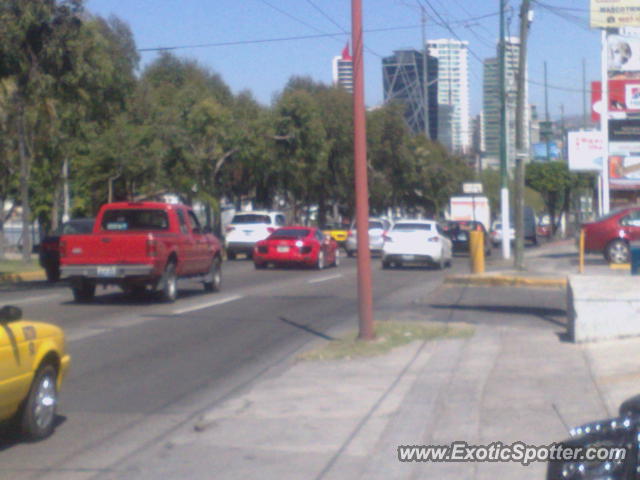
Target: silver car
pixel 377 228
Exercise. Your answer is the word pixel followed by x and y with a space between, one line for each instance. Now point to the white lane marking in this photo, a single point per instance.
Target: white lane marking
pixel 38 299
pixel 200 306
pixel 325 279
pixel 82 333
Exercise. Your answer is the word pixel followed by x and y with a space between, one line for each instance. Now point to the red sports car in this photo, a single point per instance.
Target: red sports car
pixel 296 246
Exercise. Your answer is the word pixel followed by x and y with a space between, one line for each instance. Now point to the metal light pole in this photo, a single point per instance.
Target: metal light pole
pixel 504 192
pixel 365 297
pixel 425 77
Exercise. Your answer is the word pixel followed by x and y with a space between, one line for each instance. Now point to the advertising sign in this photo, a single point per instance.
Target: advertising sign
pixel 624 99
pixel 614 13
pixel 627 130
pixel 624 54
pixel 585 151
pixel 624 165
pixel 540 151
pixel 472 188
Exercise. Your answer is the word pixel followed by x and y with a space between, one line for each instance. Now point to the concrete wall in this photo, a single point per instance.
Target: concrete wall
pixel 603 307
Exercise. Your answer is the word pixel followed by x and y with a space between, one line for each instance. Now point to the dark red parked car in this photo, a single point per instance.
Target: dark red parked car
pixel 612 233
pixel 306 246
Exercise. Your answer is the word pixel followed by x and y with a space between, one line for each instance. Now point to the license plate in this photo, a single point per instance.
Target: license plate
pixel 109 271
pixel 408 257
pixel 283 249
pixel 462 236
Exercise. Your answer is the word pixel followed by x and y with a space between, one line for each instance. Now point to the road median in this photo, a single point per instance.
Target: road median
pixel 506 280
pixel 18 277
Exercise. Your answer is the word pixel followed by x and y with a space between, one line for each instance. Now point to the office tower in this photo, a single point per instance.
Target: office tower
pixel 343 70
pixel 491 105
pixel 403 81
pixel 453 90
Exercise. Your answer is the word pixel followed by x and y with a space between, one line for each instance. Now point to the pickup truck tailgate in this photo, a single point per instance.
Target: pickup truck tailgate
pixel 105 249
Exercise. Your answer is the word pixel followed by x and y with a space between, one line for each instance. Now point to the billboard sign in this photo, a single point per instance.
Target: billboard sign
pixel 624 53
pixel 624 165
pixel 543 150
pixel 585 151
pixel 626 130
pixel 624 99
pixel 614 13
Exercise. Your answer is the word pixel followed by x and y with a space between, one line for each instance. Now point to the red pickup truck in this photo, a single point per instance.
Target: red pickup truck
pixel 140 245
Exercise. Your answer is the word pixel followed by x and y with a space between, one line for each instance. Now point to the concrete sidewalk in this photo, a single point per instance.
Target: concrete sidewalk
pixel 345 419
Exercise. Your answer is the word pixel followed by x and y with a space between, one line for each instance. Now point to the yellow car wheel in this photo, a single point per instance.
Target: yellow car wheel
pixel 39 411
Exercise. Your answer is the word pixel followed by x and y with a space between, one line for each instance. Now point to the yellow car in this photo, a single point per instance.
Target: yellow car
pixel 338 232
pixel 33 363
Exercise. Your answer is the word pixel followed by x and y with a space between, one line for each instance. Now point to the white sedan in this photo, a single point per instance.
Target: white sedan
pixel 416 241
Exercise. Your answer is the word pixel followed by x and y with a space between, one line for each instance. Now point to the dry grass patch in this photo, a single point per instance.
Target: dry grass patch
pixel 389 334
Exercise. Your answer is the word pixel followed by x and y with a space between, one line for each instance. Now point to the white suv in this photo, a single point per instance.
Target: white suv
pixel 247 228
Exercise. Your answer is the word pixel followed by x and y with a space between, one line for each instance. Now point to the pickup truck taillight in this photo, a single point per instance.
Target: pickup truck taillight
pixel 152 246
pixel 62 249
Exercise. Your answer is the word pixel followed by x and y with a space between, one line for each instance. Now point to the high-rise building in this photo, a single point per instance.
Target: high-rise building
pixel 492 103
pixel 403 81
pixel 343 70
pixel 453 90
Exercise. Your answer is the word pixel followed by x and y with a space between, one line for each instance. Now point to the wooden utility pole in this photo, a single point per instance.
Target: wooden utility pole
pixel 521 144
pixel 365 296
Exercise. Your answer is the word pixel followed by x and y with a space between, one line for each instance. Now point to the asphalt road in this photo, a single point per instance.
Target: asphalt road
pixel 141 369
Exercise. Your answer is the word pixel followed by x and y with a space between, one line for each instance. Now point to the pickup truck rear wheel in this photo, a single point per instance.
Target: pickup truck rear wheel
pixel 84 291
pixel 214 277
pixel 169 283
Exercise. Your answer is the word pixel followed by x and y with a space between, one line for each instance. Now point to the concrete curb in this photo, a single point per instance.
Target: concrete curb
pixel 22 277
pixel 496 280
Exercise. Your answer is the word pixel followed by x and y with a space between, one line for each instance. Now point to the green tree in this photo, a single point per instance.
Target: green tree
pixel 439 175
pixel 389 158
pixel 301 152
pixel 35 52
pixel 551 180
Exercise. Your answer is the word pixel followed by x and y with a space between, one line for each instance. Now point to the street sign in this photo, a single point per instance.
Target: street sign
pixel 546 128
pixel 472 188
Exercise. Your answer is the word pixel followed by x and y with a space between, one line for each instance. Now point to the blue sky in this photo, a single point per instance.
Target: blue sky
pixel 559 35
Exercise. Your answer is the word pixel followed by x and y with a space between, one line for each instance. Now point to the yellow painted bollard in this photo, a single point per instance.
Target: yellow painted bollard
pixel 476 251
pixel 581 252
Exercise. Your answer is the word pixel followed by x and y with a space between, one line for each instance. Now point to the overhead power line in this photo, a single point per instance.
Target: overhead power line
pixel 328 17
pixel 269 40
